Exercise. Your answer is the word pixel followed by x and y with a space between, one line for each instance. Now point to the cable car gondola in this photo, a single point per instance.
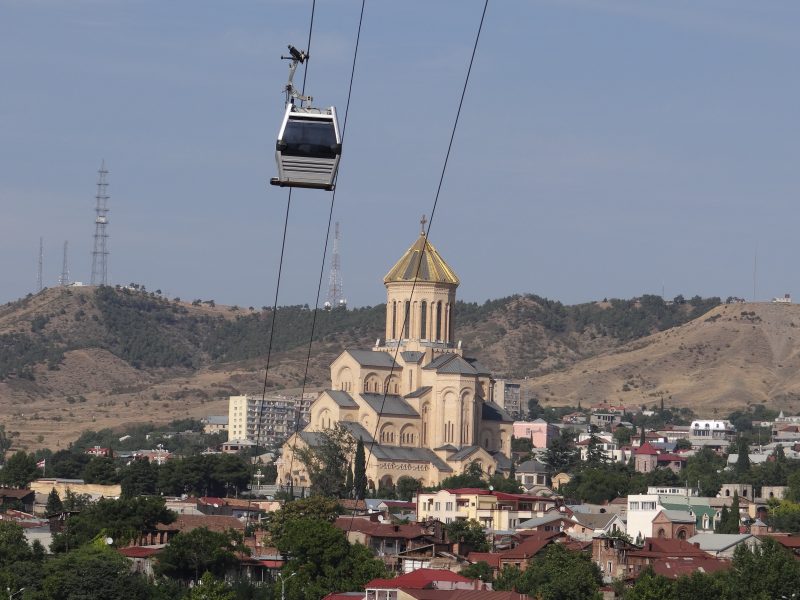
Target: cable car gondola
pixel 309 144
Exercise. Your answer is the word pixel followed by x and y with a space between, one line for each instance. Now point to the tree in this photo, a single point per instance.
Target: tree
pixel 324 560
pixel 19 470
pixel 102 470
pixel 763 572
pixel 650 586
pixel 210 588
pixel 471 477
pixel 360 471
pixel 594 453
pixel 327 461
pixel 785 516
pixel 479 570
pixel 317 508
pixel 793 483
pixel 54 504
pixel 407 487
pixel 470 533
pixel 561 454
pixel 200 551
pixel 505 484
pixel 508 578
pixel 5 443
pixel 622 435
pixel 600 484
pixel 139 479
pixel 743 459
pixel 704 468
pixel 348 483
pixel 93 572
pixel 561 573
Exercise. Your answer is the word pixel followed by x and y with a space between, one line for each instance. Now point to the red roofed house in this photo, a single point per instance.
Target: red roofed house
pixel 645 458
pixel 440 579
pixel 141 559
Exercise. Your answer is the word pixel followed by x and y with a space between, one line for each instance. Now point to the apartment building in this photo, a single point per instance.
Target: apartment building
pixel 271 420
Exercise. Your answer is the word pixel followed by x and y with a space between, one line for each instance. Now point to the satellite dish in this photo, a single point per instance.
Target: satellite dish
pixel 109 541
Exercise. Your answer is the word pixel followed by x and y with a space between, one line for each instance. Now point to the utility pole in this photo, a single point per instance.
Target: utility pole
pixel 100 250
pixel 335 285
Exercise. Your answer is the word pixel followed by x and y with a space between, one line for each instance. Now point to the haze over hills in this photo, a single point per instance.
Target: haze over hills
pixel 84 357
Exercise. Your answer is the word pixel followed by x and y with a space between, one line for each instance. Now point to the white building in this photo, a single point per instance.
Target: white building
pixel 271 420
pixel 712 429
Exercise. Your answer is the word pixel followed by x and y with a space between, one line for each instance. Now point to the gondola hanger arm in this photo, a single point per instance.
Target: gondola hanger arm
pixel 297 57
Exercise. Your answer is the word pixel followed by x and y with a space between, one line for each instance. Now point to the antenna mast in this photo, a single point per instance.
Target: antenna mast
pixel 64 279
pixel 335 286
pixel 39 284
pixel 100 251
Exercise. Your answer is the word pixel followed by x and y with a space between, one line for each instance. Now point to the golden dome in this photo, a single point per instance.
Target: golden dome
pixel 432 270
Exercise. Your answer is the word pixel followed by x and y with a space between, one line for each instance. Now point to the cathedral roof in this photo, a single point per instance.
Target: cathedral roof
pixel 371 358
pixel 384 452
pixel 433 268
pixel 452 364
pixel 412 356
pixel 419 392
pixel 391 405
pixel 464 453
pixel 493 412
pixel 341 398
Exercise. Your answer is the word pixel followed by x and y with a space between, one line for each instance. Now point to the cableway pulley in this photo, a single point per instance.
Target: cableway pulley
pixel 309 143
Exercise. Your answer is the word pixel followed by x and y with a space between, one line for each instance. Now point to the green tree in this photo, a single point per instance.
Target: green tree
pixel 328 460
pixel 92 572
pixel 700 586
pixel 324 560
pixel 470 533
pixel 505 484
pixel 188 555
pixel 348 483
pixel 479 570
pixel 683 444
pixel 121 520
pixel 622 435
pixel 360 471
pixel 650 586
pixel 704 469
pixel 561 454
pixel 785 516
pixel 407 487
pixel 793 483
pixel 594 452
pixel 102 470
pixel 508 578
pixel 54 504
pixel 210 588
pixel 763 573
pixel 471 477
pixel 561 573
pixel 316 508
pixel 19 470
pixel 5 443
pixel 140 478
pixel 743 459
pixel 600 484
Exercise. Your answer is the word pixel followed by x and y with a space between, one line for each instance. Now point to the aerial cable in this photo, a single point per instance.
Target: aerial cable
pixel 427 233
pixel 327 235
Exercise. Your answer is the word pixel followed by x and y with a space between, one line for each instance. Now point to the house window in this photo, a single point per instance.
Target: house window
pixel 634 506
pixel 448 506
pixel 437 506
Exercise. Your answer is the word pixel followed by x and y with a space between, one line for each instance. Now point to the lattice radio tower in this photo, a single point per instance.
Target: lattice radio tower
pixel 100 251
pixel 335 286
pixel 39 284
pixel 64 279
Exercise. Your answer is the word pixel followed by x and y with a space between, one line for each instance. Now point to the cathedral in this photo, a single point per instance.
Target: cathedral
pixel 422 408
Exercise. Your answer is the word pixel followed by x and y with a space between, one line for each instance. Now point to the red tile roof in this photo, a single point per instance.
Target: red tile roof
pixel 186 523
pixel 139 551
pixel 490 558
pixel 375 529
pixel 647 449
pixel 686 565
pixel 417 580
pixel 666 457
pixel 662 547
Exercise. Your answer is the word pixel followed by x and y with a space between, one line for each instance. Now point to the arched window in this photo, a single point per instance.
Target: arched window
pixel 423 320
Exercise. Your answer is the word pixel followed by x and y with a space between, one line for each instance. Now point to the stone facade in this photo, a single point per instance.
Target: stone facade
pixel 422 408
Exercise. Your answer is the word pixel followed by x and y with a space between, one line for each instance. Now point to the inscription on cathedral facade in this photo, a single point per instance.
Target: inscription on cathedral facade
pixel 398 466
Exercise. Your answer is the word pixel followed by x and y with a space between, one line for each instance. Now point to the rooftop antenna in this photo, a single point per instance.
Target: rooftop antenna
pixel 64 279
pixel 100 251
pixel 335 286
pixel 39 284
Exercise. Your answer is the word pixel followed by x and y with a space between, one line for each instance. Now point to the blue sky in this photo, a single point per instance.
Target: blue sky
pixel 606 148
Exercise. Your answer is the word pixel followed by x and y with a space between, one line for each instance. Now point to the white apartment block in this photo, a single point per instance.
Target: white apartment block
pixel 271 420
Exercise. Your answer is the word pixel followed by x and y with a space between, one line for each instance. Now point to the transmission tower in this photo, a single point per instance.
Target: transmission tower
pixel 100 251
pixel 64 279
pixel 39 284
pixel 335 286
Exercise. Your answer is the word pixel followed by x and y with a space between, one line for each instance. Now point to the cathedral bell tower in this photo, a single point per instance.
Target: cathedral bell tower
pixel 427 318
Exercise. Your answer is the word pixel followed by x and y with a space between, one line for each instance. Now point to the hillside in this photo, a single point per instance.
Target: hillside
pixel 735 355
pixel 73 358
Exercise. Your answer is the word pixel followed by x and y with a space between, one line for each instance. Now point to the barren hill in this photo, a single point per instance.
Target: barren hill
pixel 735 355
pixel 85 358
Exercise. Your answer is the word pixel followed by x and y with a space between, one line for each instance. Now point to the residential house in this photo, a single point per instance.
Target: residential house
pixel 678 524
pixel 723 545
pixel 532 473
pixel 539 432
pixel 586 526
pixel 12 498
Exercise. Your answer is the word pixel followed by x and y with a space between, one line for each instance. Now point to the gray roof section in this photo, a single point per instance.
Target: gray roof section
pixel 419 392
pixel 536 521
pixel 717 542
pixel 393 405
pixel 371 358
pixel 457 366
pixel 342 398
pixel 680 516
pixel 439 361
pixel 447 447
pixel 594 520
pixel 217 419
pixel 464 453
pixel 479 366
pixel 503 462
pixel 532 466
pixel 412 356
pixel 493 412
pixel 382 452
pixel 314 438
